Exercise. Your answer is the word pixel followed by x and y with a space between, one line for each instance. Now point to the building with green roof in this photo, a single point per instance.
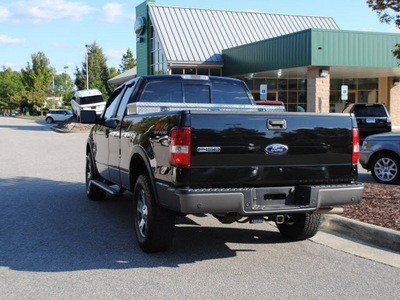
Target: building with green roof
pixel 303 61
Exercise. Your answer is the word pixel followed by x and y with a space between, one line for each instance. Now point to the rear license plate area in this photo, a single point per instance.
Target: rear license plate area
pixel 265 198
pixel 281 198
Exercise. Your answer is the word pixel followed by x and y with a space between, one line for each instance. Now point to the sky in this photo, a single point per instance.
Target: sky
pixel 62 28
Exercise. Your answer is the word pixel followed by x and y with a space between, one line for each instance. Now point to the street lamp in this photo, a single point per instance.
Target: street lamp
pixel 66 68
pixel 87 67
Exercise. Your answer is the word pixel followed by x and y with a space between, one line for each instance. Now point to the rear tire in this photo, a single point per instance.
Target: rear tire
pixel 49 120
pixel 93 192
pixel 154 225
pixel 300 226
pixel 385 168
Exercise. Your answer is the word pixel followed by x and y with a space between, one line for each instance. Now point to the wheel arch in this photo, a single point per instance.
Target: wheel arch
pixel 140 164
pixel 89 151
pixel 379 153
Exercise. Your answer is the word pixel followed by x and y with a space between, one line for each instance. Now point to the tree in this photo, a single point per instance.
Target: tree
pixel 98 72
pixel 10 85
pixel 388 12
pixel 36 79
pixel 114 72
pixel 64 87
pixel 127 61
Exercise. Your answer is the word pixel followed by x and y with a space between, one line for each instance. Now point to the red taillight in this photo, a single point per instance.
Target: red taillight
pixel 388 121
pixel 356 146
pixel 179 147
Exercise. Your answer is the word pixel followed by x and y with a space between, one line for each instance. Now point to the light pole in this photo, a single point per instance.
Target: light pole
pixel 65 90
pixel 87 67
pixel 66 68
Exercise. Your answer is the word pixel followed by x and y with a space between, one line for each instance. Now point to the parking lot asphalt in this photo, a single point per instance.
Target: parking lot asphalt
pixel 56 244
pixel 375 235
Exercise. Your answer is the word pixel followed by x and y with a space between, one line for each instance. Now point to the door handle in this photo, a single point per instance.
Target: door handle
pixel 276 124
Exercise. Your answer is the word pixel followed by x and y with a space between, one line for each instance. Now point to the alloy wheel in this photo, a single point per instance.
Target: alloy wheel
pixel 142 213
pixel 385 169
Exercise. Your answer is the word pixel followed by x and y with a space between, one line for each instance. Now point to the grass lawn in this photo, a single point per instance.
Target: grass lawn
pixel 32 117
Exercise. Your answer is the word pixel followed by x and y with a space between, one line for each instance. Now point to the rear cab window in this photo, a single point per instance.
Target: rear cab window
pixel 91 99
pixel 229 94
pixel 212 90
pixel 162 91
pixel 197 93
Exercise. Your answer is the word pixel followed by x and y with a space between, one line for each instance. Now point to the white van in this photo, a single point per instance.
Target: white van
pixel 87 100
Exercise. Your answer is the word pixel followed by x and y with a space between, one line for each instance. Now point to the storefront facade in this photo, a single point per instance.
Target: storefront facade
pixel 304 61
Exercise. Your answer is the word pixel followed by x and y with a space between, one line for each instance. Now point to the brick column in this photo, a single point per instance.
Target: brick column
pixel 318 90
pixel 394 100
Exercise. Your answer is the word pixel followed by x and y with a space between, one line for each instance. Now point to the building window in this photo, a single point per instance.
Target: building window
pixel 158 61
pixel 360 90
pixel 292 92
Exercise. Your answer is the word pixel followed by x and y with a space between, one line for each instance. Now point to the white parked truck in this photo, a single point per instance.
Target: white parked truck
pixel 87 100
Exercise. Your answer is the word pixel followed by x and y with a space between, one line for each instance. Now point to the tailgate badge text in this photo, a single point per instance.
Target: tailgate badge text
pixel 208 149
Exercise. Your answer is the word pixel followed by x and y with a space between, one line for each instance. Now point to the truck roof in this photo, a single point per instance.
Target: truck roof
pixel 186 77
pixel 87 93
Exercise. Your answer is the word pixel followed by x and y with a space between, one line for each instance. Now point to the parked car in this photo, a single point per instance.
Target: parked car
pixel 372 118
pixel 58 115
pixel 87 100
pixel 380 154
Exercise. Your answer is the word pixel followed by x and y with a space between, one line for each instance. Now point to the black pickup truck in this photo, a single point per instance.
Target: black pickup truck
pixel 197 144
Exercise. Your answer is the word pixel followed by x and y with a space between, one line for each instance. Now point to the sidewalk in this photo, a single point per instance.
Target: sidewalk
pixel 376 235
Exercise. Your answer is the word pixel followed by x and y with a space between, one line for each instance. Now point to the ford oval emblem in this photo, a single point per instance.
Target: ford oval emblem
pixel 276 149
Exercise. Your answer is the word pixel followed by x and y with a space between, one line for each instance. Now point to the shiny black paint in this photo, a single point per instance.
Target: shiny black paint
pixel 319 148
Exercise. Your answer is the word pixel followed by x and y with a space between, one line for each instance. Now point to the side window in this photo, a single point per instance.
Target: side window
pixel 162 91
pixel 229 94
pixel 197 94
pixel 110 110
pixel 124 101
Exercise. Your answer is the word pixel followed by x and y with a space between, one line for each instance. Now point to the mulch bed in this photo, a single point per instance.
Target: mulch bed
pixel 380 206
pixel 71 125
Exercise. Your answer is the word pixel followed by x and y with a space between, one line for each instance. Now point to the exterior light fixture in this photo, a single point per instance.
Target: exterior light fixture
pixel 396 82
pixel 323 72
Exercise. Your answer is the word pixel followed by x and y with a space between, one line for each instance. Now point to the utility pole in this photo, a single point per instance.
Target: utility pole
pixel 87 67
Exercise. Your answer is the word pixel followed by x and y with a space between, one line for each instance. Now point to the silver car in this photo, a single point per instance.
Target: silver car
pixel 380 154
pixel 58 115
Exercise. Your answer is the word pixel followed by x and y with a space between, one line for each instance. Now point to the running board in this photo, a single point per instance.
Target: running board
pixel 106 188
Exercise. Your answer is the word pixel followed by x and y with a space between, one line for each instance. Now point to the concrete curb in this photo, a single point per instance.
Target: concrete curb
pixel 379 236
pixel 68 131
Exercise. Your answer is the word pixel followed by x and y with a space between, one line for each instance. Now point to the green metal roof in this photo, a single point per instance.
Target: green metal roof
pixel 313 47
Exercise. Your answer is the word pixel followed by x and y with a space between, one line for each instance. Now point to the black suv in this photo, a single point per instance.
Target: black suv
pixel 371 118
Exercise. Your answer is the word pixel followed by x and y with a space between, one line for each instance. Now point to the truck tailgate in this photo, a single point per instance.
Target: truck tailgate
pixel 259 149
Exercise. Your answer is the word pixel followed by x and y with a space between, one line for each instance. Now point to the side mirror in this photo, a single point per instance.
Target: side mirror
pixel 111 123
pixel 88 116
